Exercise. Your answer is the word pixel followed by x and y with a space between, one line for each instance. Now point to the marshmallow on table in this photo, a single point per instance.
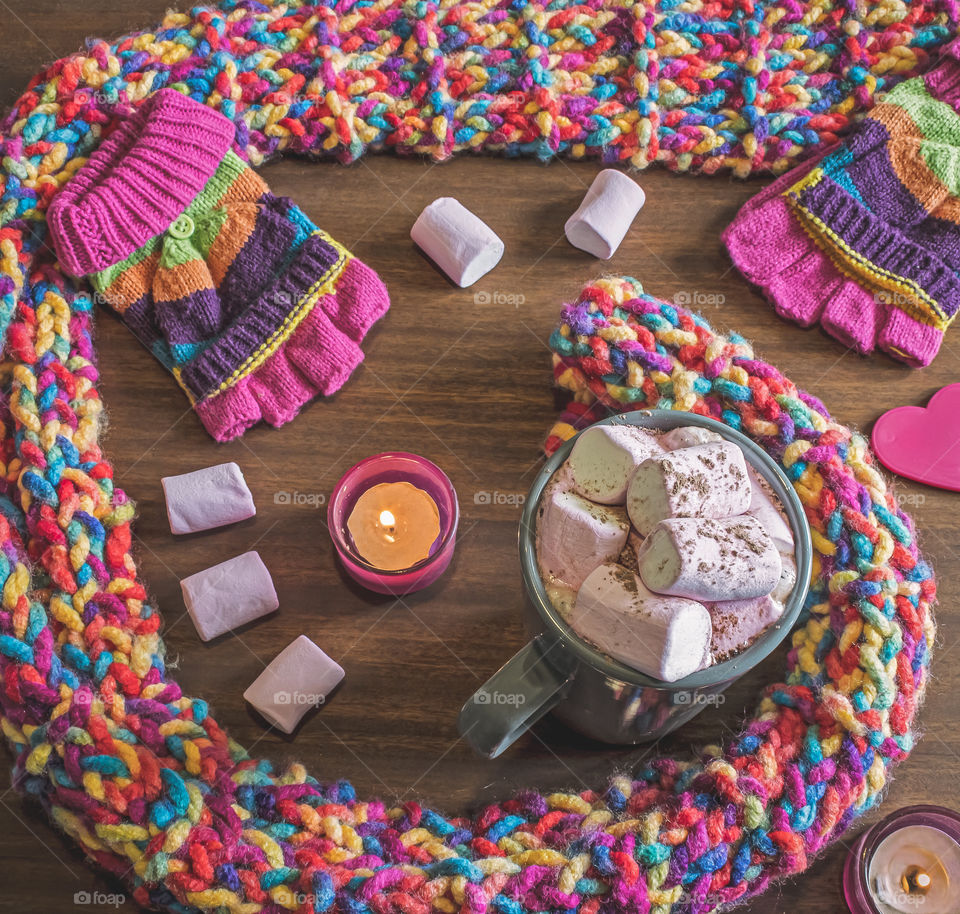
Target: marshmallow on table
pixel 710 559
pixel 207 498
pixel 765 510
pixel 229 595
pixel 576 535
pixel 664 637
pixel 610 205
pixel 604 458
pixel 688 436
pixel 736 623
pixel 457 241
pixel 707 480
pixel 299 678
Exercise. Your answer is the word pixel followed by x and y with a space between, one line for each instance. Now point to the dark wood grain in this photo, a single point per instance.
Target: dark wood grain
pixel 469 386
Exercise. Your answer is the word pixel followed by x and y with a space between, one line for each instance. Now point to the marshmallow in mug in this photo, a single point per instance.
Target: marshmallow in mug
pixel 299 678
pixel 706 480
pixel 763 508
pixel 457 241
pixel 604 459
pixel 204 499
pixel 602 219
pixel 688 436
pixel 577 535
pixel 788 577
pixel 737 623
pixel 710 559
pixel 665 637
pixel 229 595
pixel 708 660
pixel 762 505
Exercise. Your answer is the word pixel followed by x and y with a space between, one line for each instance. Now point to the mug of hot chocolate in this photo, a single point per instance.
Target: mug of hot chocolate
pixel 664 554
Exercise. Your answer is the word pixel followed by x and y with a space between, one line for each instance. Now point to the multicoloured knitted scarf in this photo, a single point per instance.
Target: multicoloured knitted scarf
pixel 141 776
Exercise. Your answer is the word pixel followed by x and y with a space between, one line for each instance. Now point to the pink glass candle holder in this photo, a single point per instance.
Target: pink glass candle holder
pixel 909 863
pixel 394 466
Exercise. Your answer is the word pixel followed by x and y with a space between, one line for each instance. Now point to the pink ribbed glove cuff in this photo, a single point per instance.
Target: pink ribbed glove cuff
pixel 138 181
pixel 943 81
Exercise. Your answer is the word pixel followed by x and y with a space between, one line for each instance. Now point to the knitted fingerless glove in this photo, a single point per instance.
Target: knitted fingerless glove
pixel 866 239
pixel 251 307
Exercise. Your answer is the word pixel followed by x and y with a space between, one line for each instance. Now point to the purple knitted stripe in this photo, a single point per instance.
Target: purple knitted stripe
pixel 264 256
pixel 141 320
pixel 195 318
pixel 880 188
pixel 872 172
pixel 880 243
pixel 942 236
pixel 882 192
pixel 264 315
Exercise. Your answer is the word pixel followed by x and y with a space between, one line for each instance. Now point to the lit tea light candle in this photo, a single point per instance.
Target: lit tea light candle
pixel 915 880
pixel 393 521
pixel 394 524
pixel 908 862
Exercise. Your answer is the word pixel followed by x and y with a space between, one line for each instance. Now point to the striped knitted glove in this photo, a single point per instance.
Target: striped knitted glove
pixel 866 239
pixel 251 307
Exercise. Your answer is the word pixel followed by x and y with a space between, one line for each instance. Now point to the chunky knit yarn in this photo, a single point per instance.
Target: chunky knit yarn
pixel 142 777
pixel 702 85
pixel 866 239
pixel 152 788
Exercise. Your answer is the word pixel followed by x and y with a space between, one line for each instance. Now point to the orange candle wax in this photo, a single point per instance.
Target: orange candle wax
pixel 394 524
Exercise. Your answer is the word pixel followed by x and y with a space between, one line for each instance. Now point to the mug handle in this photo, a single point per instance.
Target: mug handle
pixel 513 699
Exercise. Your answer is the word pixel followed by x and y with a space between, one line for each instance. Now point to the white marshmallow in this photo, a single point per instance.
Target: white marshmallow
pixel 457 241
pixel 707 480
pixel 299 678
pixel 710 559
pixel 207 498
pixel 689 436
pixel 707 660
pixel 602 219
pixel 604 458
pixel 737 623
pixel 575 536
pixel 229 595
pixel 665 637
pixel 788 577
pixel 765 510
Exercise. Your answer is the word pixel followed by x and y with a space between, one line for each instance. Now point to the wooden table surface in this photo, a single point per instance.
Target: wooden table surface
pixel 466 383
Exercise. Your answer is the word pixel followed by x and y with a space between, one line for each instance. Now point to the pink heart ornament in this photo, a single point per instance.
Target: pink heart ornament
pixel 923 443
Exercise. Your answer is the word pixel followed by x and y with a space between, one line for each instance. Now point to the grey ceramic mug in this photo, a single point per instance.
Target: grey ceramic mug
pixel 589 691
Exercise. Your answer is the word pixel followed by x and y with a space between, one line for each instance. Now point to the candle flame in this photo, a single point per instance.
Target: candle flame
pixel 916 880
pixel 387 519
